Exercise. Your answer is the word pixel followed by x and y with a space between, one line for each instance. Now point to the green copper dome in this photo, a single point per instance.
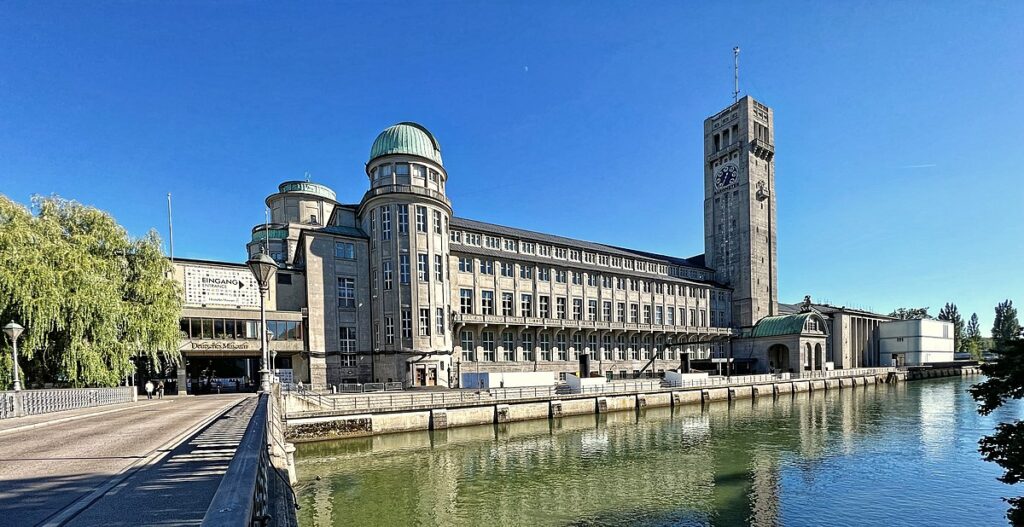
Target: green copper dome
pixel 406 138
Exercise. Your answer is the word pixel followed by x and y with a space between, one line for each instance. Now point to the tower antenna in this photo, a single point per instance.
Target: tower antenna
pixel 736 74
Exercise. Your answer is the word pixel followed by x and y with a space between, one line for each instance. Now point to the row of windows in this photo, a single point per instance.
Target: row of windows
pixel 575 255
pixel 231 329
pixel 423 328
pixel 595 310
pixel 548 347
pixel 423 271
pixel 439 221
pixel 417 171
pixel 562 276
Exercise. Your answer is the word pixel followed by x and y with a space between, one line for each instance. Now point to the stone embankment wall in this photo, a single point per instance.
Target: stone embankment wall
pixel 320 427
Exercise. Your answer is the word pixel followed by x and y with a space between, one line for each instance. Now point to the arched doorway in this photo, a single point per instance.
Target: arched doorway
pixel 808 357
pixel 819 356
pixel 778 358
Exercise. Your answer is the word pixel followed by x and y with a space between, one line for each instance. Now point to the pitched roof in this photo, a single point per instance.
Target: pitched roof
pixel 696 262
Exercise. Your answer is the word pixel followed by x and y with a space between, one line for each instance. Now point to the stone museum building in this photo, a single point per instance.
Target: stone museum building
pixel 397 288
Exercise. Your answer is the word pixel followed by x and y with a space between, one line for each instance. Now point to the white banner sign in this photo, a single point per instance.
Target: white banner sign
pixel 217 286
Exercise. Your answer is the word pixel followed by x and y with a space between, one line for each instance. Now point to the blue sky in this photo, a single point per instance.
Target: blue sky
pixel 898 124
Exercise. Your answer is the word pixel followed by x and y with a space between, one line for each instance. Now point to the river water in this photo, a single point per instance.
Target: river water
pixel 903 454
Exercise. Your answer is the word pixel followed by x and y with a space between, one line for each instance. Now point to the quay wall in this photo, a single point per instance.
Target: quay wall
pixel 304 425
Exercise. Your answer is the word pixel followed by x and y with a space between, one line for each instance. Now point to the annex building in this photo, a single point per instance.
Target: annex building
pixel 396 288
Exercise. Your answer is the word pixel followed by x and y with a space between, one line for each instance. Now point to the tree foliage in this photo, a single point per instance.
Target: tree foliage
pixel 90 297
pixel 1006 327
pixel 1006 446
pixel 972 337
pixel 950 313
pixel 910 313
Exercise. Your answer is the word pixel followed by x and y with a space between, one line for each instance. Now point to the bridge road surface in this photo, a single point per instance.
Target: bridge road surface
pixel 149 464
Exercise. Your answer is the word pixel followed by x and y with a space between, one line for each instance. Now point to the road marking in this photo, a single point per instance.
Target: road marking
pixel 69 512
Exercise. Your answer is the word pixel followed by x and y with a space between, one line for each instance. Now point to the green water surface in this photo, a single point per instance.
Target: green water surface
pixel 903 454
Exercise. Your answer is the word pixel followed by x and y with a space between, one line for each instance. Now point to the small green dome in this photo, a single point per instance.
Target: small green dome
pixel 406 138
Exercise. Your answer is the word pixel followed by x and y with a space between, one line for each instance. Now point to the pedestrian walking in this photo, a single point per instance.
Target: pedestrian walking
pixel 160 389
pixel 149 389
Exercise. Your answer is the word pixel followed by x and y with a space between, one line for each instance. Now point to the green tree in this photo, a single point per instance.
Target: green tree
pixel 950 313
pixel 1006 326
pixel 910 313
pixel 91 298
pixel 972 337
pixel 1006 446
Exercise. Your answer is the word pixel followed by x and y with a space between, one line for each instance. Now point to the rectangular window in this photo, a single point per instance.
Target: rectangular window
pixel 403 268
pixel 487 302
pixel 488 342
pixel 528 346
pixel 421 218
pixel 543 274
pixel 438 268
pixel 419 171
pixel 468 347
pixel 348 360
pixel 703 318
pixel 423 267
pixel 424 322
pixel 406 324
pixel 606 347
pixel 387 274
pixel 385 222
pixel 634 313
pixel 439 320
pixel 401 169
pixel 486 267
pixel 560 308
pixel 508 346
pixel 507 270
pixel 647 314
pixel 466 301
pixel 592 310
pixel 577 278
pixel 525 271
pixel 544 306
pixel 560 275
pixel 659 315
pixel 592 279
pixel 577 309
pixel 606 311
pixel 577 344
pixel 526 305
pixel 344 250
pixel 545 346
pixel 384 170
pixel 563 350
pixel 347 340
pixel 465 265
pixel 389 330
pixel 346 292
pixel 437 222
pixel 403 219
pixel 507 304
pixel 693 317
pixel 620 312
pixel 671 318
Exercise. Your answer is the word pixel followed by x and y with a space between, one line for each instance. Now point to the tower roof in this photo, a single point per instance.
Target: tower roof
pixel 406 138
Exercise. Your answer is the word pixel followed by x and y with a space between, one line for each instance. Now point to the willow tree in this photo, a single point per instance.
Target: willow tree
pixel 92 299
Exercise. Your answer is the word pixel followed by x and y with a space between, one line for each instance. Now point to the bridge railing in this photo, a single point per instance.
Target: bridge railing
pixel 35 402
pixel 242 499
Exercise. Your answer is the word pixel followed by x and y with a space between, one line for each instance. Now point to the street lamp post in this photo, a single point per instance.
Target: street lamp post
pixel 263 268
pixel 273 357
pixel 13 330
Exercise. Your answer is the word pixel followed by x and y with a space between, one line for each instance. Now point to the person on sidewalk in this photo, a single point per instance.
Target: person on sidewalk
pixel 159 389
pixel 149 389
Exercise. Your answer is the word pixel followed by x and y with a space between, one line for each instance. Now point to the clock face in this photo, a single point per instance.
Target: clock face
pixel 726 175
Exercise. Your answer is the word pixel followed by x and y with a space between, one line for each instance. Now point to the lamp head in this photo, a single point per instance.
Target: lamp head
pixel 13 330
pixel 263 268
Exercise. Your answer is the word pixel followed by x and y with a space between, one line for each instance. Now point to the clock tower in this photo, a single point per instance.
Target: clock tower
pixel 739 207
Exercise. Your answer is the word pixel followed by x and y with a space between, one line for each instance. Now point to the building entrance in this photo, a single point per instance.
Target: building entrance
pixel 425 375
pixel 222 374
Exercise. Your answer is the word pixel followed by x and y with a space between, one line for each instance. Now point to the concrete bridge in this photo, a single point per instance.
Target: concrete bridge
pixel 148 462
